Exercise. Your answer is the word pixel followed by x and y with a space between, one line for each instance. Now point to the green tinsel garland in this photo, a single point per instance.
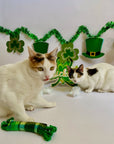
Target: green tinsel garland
pixel 56 33
pixel 17 32
pixel 107 26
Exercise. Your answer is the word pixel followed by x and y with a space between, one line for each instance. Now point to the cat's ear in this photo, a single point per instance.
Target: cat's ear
pixel 31 52
pixel 81 68
pixel 69 68
pixel 54 52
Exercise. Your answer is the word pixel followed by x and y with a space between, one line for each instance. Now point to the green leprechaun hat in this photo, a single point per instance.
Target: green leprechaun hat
pixel 41 47
pixel 93 46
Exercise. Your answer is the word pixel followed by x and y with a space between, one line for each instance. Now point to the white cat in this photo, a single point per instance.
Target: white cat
pixel 21 84
pixel 97 77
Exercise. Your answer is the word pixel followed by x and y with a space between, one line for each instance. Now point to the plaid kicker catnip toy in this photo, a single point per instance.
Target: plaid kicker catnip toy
pixel 38 128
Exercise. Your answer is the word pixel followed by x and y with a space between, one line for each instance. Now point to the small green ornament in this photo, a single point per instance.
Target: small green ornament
pixel 41 47
pixel 15 45
pixel 38 128
pixel 68 52
pixel 94 46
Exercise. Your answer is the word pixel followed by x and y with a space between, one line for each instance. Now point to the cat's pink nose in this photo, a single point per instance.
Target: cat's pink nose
pixel 46 78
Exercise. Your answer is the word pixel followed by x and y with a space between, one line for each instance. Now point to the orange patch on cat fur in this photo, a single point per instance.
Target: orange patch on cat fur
pixel 36 61
pixel 51 58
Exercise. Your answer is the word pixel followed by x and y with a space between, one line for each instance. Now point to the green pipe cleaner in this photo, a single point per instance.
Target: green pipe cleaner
pixel 57 34
pixel 107 26
pixel 39 128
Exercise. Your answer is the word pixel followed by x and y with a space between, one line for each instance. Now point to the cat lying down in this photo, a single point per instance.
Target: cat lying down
pixel 98 77
pixel 21 84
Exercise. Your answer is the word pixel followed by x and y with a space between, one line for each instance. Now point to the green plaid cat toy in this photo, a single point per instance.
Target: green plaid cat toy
pixel 38 128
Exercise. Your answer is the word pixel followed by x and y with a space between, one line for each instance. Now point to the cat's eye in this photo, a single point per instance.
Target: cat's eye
pixel 79 75
pixel 40 68
pixel 52 68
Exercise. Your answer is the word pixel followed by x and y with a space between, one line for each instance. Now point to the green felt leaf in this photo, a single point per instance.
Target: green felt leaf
pixel 15 45
pixel 68 81
pixel 67 52
pixel 57 82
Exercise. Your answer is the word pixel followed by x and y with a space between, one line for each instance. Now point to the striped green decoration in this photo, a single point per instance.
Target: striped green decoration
pixel 39 128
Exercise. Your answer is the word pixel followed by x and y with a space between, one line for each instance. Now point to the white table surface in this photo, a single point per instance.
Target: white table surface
pixel 84 119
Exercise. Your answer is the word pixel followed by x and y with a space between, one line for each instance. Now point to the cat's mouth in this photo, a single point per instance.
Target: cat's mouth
pixel 46 79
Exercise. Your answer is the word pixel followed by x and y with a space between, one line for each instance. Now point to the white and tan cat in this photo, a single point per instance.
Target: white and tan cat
pixel 21 84
pixel 97 77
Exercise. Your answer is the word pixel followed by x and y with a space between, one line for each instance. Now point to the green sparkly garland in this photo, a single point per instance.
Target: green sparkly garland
pixel 57 34
pixel 18 31
pixel 107 26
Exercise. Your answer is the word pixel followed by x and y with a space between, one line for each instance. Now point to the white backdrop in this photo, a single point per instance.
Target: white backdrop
pixel 40 16
pixel 87 118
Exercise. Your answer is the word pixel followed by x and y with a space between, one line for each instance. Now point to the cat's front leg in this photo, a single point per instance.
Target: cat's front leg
pixel 101 91
pixel 16 106
pixel 41 102
pixel 19 113
pixel 29 107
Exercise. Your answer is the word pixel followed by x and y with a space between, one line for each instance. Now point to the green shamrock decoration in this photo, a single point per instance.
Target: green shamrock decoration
pixel 15 45
pixel 65 58
pixel 61 66
pixel 68 53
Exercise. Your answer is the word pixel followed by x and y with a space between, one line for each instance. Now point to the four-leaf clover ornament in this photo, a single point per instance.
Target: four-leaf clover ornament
pixel 68 52
pixel 15 44
pixel 65 58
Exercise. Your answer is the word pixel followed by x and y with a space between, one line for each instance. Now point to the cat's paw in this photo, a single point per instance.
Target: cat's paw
pixel 101 91
pixel 88 90
pixel 51 104
pixel 29 107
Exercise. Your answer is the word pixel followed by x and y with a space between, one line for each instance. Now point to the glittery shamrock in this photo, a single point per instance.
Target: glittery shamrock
pixel 15 45
pixel 61 66
pixel 68 52
pixel 61 75
pixel 65 58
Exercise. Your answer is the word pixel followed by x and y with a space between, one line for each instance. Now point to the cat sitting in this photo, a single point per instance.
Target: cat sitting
pixel 21 84
pixel 98 77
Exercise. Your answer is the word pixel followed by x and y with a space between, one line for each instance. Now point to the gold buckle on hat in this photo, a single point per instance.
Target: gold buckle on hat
pixel 92 54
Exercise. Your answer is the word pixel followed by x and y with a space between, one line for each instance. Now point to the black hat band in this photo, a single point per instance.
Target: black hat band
pixel 92 54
